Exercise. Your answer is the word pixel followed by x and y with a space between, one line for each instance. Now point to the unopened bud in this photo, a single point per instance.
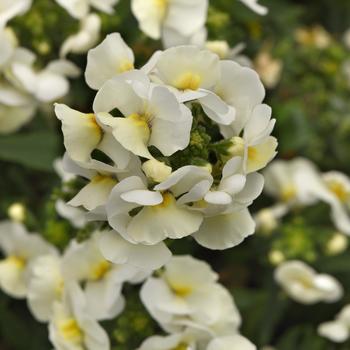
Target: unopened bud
pixel 155 170
pixel 17 212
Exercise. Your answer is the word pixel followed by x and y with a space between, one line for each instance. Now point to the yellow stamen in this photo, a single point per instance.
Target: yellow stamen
pixel 100 270
pixel 71 331
pixel 188 81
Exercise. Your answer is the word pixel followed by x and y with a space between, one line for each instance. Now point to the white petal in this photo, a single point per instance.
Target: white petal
pixel 112 57
pixel 233 342
pixel 336 331
pixel 81 132
pixel 116 249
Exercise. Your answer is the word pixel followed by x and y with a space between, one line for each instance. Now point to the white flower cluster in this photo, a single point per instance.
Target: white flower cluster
pixel 143 118
pixel 189 303
pixel 298 183
pixel 72 292
pixel 23 88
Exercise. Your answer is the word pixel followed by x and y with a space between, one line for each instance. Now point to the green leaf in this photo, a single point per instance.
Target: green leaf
pixel 36 150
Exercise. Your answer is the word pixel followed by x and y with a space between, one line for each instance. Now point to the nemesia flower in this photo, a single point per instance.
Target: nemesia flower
pixel 47 85
pixel 71 326
pixel 225 207
pixel 338 330
pixel 103 280
pixel 20 249
pixel 16 108
pixel 152 116
pixel 85 38
pixel 303 284
pixel 244 96
pixel 107 60
pixel 83 133
pixel 193 73
pixel 45 286
pixel 160 214
pixel 186 295
pixel 316 36
pixel 80 8
pixel 256 146
pixel 255 6
pixel 155 17
pixel 268 68
pixel 13 8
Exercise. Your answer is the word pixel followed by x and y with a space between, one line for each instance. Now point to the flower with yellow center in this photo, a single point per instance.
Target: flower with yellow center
pixel 107 60
pixel 72 326
pixel 20 250
pixel 303 284
pixel 152 115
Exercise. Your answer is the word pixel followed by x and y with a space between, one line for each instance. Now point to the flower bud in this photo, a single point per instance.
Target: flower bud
pixel 17 212
pixel 155 170
pixel 220 47
pixel 276 257
pixel 337 244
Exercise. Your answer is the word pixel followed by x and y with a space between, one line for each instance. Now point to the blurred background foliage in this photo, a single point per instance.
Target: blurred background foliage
pixel 311 102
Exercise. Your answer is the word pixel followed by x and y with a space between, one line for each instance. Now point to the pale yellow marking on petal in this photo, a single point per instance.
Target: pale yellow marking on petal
pixel 188 81
pixel 182 346
pixel 125 66
pixel 339 190
pixel 100 270
pixel 16 261
pixel 92 123
pixel 70 330
pixel 143 123
pixel 288 193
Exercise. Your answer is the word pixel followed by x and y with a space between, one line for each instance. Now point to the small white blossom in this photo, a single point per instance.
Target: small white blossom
pixel 85 38
pixel 155 17
pixel 20 249
pixel 338 330
pixel 71 326
pixel 303 284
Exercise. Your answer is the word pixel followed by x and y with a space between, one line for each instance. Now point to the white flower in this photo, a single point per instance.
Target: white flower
pixel 47 85
pixel 16 109
pixel 303 284
pixel 338 330
pixel 240 88
pixel 20 250
pixel 193 72
pixel 152 116
pixel 232 342
pixel 103 280
pixel 256 146
pixel 339 184
pixel 184 17
pixel 110 58
pixel 46 286
pixel 71 327
pixel 225 207
pixel 80 8
pixel 269 69
pixel 186 295
pixel 253 5
pixel 120 251
pixel 85 38
pixel 83 133
pixel 161 213
pixel 13 8
pixel 292 181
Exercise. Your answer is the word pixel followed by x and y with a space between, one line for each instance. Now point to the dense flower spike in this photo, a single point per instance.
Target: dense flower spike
pixel 145 121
